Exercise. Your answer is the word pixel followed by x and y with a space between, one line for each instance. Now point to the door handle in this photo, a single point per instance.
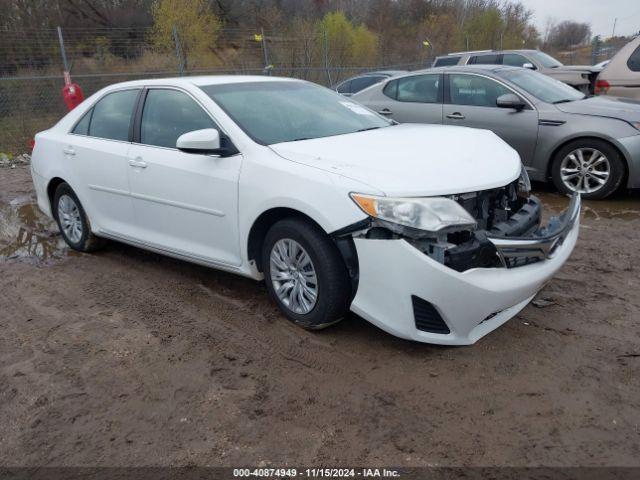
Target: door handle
pixel 456 116
pixel 69 151
pixel 385 111
pixel 138 163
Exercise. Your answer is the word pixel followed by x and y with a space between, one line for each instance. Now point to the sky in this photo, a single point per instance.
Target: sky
pixel 599 13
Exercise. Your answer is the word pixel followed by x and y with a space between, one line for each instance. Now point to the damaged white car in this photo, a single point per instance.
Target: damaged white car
pixel 428 232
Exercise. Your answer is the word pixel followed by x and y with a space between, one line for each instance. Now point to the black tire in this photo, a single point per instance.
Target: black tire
pixel 333 284
pixel 87 242
pixel 616 164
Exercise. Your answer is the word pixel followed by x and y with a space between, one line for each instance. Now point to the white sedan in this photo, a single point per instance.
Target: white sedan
pixel 427 231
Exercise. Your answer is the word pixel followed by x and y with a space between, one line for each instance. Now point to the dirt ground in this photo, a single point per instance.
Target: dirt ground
pixel 125 357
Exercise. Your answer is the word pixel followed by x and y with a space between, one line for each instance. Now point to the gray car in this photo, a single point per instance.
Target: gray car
pixel 589 145
pixel 580 77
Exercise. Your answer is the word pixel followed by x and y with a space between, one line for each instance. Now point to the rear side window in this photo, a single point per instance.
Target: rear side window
pixel 489 59
pixel 361 83
pixel 82 127
pixel 168 114
pixel 112 115
pixel 419 88
pixel 344 87
pixel 634 60
pixel 446 61
pixel 391 89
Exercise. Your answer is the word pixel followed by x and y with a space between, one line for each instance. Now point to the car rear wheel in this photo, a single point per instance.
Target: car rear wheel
pixel 590 167
pixel 73 222
pixel 305 274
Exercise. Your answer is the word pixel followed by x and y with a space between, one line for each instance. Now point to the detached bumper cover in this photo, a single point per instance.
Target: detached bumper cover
pixel 471 303
pixel 516 251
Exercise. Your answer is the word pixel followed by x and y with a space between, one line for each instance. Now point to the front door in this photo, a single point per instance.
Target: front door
pixel 185 203
pixel 471 102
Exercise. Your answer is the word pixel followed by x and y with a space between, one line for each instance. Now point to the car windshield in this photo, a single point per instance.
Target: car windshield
pixel 285 111
pixel 547 61
pixel 542 87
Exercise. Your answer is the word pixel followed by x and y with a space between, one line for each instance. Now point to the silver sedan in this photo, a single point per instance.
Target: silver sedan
pixel 589 145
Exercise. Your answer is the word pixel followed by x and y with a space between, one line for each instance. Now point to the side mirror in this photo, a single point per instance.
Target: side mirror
pixel 510 100
pixel 200 141
pixel 529 65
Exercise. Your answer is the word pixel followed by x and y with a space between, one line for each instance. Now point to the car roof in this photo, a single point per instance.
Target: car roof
pixel 386 72
pixel 494 52
pixel 469 68
pixel 205 80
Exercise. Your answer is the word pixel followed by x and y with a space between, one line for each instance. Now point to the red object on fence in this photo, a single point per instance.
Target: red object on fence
pixel 72 94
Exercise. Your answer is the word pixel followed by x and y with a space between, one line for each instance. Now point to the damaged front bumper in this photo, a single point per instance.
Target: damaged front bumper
pixel 518 251
pixel 410 294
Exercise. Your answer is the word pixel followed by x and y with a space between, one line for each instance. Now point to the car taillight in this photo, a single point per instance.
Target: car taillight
pixel 32 144
pixel 602 87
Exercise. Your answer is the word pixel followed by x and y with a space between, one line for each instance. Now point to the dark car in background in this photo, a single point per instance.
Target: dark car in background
pixel 580 77
pixel 358 83
pixel 589 145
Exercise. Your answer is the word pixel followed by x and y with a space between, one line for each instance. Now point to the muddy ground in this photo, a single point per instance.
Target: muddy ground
pixel 128 358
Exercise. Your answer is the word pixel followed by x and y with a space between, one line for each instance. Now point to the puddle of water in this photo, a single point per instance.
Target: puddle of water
pixel 623 208
pixel 26 233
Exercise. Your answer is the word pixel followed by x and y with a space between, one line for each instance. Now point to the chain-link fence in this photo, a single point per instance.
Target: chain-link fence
pixel 32 65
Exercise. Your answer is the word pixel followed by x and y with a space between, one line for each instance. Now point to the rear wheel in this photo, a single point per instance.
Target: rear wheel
pixel 305 274
pixel 590 167
pixel 73 222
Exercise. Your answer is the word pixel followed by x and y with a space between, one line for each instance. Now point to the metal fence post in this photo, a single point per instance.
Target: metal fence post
pixel 595 49
pixel 325 48
pixel 179 54
pixel 267 67
pixel 65 62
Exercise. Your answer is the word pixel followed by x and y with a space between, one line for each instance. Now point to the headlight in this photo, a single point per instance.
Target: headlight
pixel 430 213
pixel 524 184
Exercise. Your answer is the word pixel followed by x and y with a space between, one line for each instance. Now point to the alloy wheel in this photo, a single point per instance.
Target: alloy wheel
pixel 70 218
pixel 293 276
pixel 585 170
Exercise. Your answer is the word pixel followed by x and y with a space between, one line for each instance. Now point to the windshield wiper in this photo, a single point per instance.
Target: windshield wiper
pixel 564 100
pixel 368 128
pixel 299 139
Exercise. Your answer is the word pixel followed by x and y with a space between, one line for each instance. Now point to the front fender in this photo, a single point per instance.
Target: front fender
pixel 280 183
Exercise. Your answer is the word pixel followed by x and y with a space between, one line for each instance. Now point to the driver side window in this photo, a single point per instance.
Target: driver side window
pixel 474 90
pixel 514 60
pixel 167 114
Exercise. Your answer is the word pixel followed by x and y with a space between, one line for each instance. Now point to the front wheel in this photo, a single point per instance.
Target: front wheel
pixel 590 167
pixel 305 274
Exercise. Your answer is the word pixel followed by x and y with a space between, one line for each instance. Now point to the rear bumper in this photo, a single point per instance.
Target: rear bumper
pixel 471 303
pixel 40 186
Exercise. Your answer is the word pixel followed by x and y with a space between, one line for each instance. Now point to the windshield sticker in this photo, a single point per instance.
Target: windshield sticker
pixel 355 108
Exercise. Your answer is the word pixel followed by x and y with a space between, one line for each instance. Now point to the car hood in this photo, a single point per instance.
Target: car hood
pixel 412 160
pixel 612 107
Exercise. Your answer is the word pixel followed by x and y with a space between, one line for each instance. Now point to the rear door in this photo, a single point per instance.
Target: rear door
pixel 470 101
pixel 185 203
pixel 412 99
pixel 97 150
